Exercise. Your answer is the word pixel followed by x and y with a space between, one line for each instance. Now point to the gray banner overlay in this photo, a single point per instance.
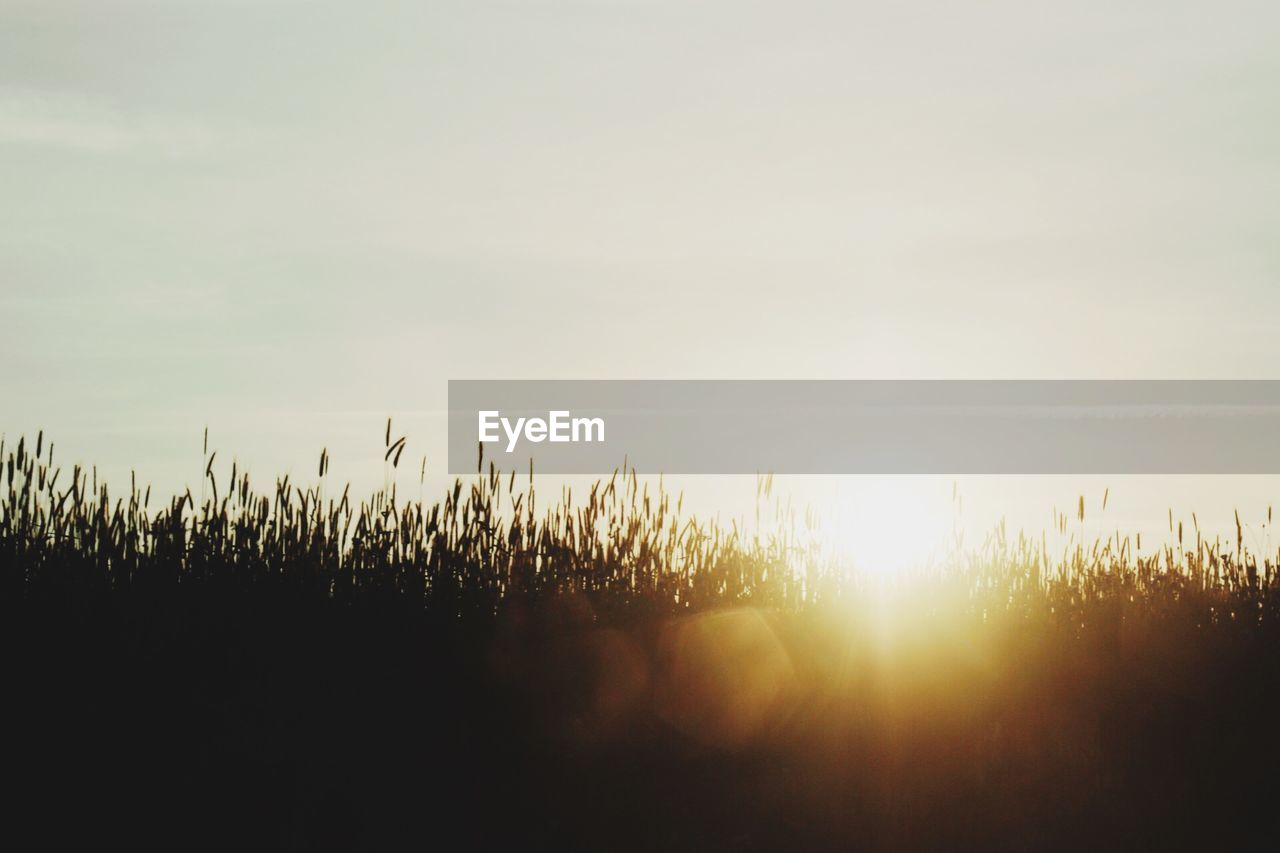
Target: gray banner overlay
pixel 868 426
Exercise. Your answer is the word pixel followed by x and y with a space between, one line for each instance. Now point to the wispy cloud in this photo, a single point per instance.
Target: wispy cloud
pixel 73 122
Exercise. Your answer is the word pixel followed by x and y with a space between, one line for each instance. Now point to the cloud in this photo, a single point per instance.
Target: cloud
pixel 77 123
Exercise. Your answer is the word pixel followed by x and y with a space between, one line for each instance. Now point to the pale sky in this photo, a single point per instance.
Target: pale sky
pixel 287 220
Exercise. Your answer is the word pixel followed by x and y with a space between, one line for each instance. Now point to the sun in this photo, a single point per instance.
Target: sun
pixel 889 525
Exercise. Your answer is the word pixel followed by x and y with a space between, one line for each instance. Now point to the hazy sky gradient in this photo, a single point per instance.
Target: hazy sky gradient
pixel 287 220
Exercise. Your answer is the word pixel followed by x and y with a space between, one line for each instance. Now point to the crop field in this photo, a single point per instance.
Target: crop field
pixel 295 668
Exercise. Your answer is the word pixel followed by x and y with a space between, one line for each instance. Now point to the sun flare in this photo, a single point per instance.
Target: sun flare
pixel 887 526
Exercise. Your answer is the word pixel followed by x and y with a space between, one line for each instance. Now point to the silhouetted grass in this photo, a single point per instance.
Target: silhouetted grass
pixel 294 669
pixel 488 540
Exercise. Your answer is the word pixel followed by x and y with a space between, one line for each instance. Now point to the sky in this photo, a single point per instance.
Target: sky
pixel 289 220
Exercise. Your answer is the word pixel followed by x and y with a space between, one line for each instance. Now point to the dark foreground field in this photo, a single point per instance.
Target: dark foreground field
pixel 200 721
pixel 290 672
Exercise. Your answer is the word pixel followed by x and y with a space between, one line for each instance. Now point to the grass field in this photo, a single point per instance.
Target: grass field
pixel 296 669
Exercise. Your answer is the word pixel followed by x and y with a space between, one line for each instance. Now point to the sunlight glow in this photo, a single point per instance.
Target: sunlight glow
pixel 886 526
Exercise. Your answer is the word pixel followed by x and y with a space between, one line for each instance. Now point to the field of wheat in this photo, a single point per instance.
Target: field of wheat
pixel 299 669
